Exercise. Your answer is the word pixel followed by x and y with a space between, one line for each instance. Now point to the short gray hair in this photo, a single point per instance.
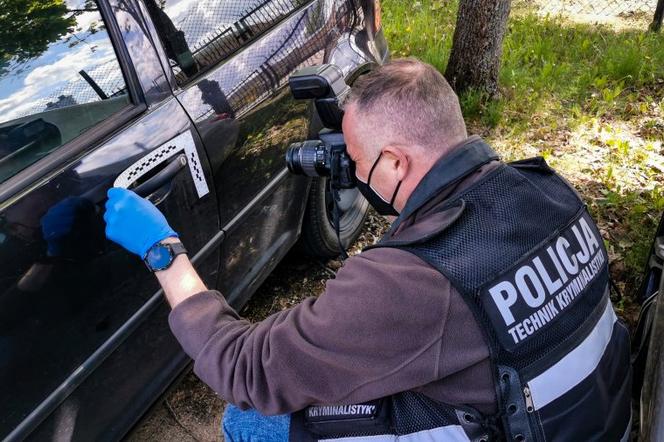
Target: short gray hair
pixel 407 102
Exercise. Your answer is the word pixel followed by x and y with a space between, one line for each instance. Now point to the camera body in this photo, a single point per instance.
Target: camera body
pixel 326 156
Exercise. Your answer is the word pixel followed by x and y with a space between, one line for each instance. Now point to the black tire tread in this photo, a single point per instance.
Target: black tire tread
pixel 317 240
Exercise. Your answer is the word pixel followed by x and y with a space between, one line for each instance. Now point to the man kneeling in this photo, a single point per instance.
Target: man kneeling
pixel 483 313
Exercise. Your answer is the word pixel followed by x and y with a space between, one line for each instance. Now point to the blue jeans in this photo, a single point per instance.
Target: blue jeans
pixel 251 426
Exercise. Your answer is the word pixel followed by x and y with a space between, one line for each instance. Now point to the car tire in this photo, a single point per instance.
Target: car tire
pixel 319 238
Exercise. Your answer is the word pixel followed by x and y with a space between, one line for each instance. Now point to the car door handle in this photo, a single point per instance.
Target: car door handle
pixel 162 164
pixel 162 177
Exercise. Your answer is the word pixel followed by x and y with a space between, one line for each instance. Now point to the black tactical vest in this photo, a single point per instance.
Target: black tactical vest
pixel 530 263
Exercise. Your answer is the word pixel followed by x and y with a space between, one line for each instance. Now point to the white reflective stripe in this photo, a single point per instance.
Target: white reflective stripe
pixel 183 142
pixel 449 433
pixel 574 367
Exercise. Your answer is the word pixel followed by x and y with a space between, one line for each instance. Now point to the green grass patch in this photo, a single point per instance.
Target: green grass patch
pixel 547 64
pixel 560 80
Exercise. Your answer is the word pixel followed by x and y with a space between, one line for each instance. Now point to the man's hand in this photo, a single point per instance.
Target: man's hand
pixel 134 222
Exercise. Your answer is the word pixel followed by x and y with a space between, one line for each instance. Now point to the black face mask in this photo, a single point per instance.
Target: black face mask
pixel 377 202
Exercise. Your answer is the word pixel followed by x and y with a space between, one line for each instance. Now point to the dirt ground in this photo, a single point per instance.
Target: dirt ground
pixel 191 411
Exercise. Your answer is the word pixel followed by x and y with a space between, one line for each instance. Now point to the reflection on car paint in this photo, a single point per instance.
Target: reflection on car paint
pixel 192 44
pixel 56 310
pixel 55 85
pixel 249 127
pixel 145 61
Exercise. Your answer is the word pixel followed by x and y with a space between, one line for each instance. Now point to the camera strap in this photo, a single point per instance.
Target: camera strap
pixel 336 215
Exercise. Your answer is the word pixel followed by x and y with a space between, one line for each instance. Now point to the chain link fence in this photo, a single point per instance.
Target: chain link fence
pixel 210 30
pixel 289 50
pixel 239 17
pixel 252 21
pixel 608 8
pixel 633 13
pixel 92 84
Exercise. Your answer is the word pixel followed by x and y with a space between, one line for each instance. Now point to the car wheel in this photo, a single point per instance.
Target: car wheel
pixel 318 235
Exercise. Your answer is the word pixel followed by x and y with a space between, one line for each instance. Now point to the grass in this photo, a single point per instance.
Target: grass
pixel 586 97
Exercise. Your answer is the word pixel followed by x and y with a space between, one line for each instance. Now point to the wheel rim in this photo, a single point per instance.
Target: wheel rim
pixel 351 205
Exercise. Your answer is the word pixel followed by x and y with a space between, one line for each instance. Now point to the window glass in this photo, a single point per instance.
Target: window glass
pixel 59 76
pixel 198 33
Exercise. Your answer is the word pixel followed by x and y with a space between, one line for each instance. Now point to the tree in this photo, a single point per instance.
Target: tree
pixel 657 19
pixel 27 27
pixel 477 45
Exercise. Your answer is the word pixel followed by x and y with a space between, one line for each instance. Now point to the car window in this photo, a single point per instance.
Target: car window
pixel 59 76
pixel 199 33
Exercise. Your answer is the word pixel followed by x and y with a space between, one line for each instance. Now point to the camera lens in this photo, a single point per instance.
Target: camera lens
pixel 307 158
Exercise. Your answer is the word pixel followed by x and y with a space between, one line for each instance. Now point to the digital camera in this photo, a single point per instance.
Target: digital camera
pixel 327 155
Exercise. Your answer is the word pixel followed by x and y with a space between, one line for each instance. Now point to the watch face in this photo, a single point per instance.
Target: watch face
pixel 159 257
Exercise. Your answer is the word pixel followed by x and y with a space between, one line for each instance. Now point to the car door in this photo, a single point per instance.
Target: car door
pixel 648 344
pixel 84 105
pixel 232 70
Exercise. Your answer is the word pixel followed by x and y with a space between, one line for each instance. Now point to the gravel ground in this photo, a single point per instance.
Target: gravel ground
pixel 191 411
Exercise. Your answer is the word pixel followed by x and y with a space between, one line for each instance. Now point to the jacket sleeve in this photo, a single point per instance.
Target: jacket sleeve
pixel 375 331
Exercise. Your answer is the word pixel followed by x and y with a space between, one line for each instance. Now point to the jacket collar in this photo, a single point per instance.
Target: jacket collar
pixel 463 160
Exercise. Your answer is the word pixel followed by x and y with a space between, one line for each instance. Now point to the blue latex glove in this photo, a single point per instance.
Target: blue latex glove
pixel 134 222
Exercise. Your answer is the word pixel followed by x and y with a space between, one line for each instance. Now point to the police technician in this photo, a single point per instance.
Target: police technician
pixel 482 314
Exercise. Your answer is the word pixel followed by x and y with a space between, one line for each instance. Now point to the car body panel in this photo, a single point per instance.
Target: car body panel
pixel 652 394
pixel 57 323
pixel 56 313
pixel 648 344
pixel 247 119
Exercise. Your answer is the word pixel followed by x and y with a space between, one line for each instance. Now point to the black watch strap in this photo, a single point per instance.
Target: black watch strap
pixel 177 248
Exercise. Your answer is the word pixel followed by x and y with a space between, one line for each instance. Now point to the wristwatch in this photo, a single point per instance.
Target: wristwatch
pixel 161 255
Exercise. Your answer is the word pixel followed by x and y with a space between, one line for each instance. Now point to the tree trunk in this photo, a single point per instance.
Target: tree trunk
pixel 477 46
pixel 657 19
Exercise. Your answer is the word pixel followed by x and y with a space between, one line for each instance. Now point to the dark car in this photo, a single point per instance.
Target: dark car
pixel 186 102
pixel 648 345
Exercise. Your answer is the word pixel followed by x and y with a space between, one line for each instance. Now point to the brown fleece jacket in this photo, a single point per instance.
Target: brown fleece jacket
pixel 387 323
